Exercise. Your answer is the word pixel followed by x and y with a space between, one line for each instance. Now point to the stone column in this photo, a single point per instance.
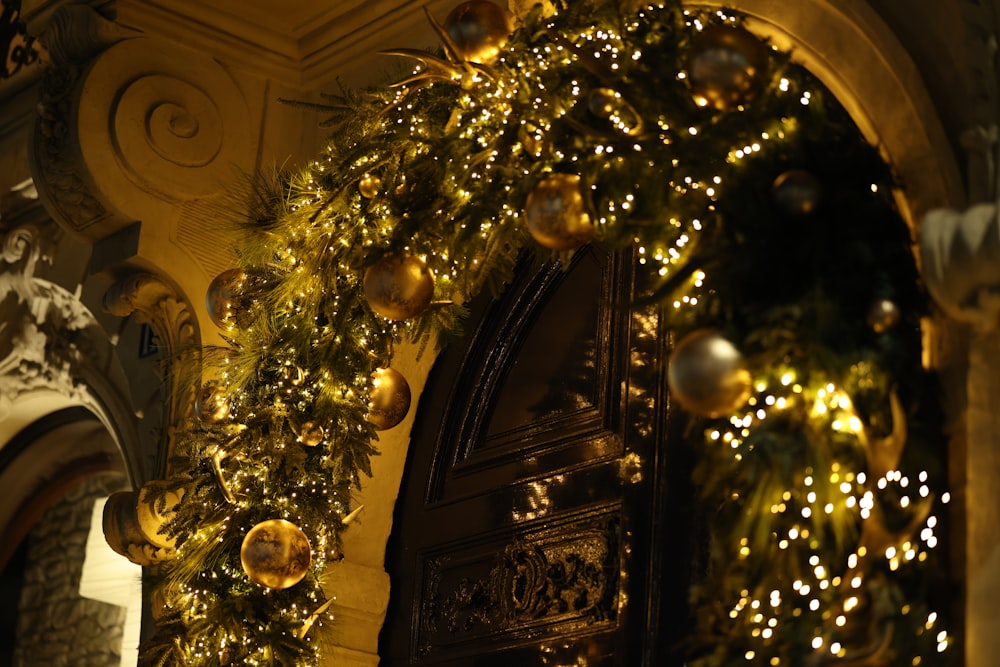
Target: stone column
pixel 961 265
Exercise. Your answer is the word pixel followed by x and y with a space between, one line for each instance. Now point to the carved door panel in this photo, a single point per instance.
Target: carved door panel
pixel 541 520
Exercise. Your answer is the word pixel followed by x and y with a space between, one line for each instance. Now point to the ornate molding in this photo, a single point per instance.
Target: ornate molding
pixel 17 47
pixel 161 305
pixel 960 257
pixel 42 326
pixel 128 122
pixel 554 580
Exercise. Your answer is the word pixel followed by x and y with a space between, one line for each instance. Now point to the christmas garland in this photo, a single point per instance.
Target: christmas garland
pixel 769 233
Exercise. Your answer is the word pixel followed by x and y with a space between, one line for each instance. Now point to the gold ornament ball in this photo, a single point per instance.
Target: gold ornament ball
pixel 726 67
pixel 389 399
pixel 555 213
pixel 370 185
pixel 311 434
pixel 883 315
pixel 707 374
pixel 479 29
pixel 399 287
pixel 222 298
pixel 212 404
pixel 602 102
pixel 276 554
pixel 797 192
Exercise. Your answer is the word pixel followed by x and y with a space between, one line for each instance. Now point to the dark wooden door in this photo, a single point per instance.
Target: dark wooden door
pixel 543 518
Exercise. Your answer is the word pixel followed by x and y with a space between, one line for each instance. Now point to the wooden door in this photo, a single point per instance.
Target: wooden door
pixel 543 518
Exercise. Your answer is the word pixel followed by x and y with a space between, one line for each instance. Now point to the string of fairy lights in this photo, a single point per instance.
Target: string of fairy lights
pixel 671 130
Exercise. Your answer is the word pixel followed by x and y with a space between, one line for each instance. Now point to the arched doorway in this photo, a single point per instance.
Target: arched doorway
pixel 454 592
pixel 54 471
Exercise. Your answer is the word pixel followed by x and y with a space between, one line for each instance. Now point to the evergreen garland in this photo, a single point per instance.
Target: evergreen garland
pixel 792 576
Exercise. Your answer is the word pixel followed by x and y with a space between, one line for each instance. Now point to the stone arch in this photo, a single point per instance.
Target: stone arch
pixel 851 50
pixel 862 62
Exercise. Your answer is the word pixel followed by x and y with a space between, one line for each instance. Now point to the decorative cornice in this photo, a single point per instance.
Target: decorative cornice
pixel 303 44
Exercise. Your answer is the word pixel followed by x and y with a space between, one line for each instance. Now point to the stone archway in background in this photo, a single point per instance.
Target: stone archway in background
pixel 862 62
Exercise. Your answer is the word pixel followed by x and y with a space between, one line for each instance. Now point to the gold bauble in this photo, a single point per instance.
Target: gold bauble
pixel 370 185
pixel 726 66
pixel 399 287
pixel 707 374
pixel 276 554
pixel 389 399
pixel 797 192
pixel 212 403
pixel 603 101
pixel 883 315
pixel 555 213
pixel 311 434
pixel 479 29
pixel 156 505
pixel 222 298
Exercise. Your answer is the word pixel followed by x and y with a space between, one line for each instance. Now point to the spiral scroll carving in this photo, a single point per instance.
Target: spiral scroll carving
pixel 128 122
pixel 176 131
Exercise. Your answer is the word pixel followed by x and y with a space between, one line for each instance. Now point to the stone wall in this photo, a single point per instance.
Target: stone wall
pixel 56 627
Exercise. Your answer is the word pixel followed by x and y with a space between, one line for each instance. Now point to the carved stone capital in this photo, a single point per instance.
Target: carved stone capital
pixel 161 305
pixel 41 324
pixel 960 253
pixel 131 127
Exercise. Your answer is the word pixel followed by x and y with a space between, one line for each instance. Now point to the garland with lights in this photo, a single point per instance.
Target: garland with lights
pixel 768 228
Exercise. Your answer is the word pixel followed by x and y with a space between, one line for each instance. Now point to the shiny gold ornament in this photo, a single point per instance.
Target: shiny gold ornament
pixel 726 67
pixel 370 185
pixel 311 434
pixel 797 192
pixel 602 102
pixel 276 554
pixel 222 298
pixel 555 213
pixel 479 30
pixel 212 403
pixel 399 287
pixel 707 374
pixel 883 315
pixel 389 399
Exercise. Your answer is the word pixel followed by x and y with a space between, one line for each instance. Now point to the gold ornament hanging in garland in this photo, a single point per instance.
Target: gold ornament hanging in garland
pixel 212 403
pixel 390 398
pixel 726 67
pixel 883 315
pixel 276 554
pixel 707 374
pixel 797 192
pixel 399 287
pixel 479 29
pixel 222 298
pixel 370 185
pixel 555 213
pixel 311 434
